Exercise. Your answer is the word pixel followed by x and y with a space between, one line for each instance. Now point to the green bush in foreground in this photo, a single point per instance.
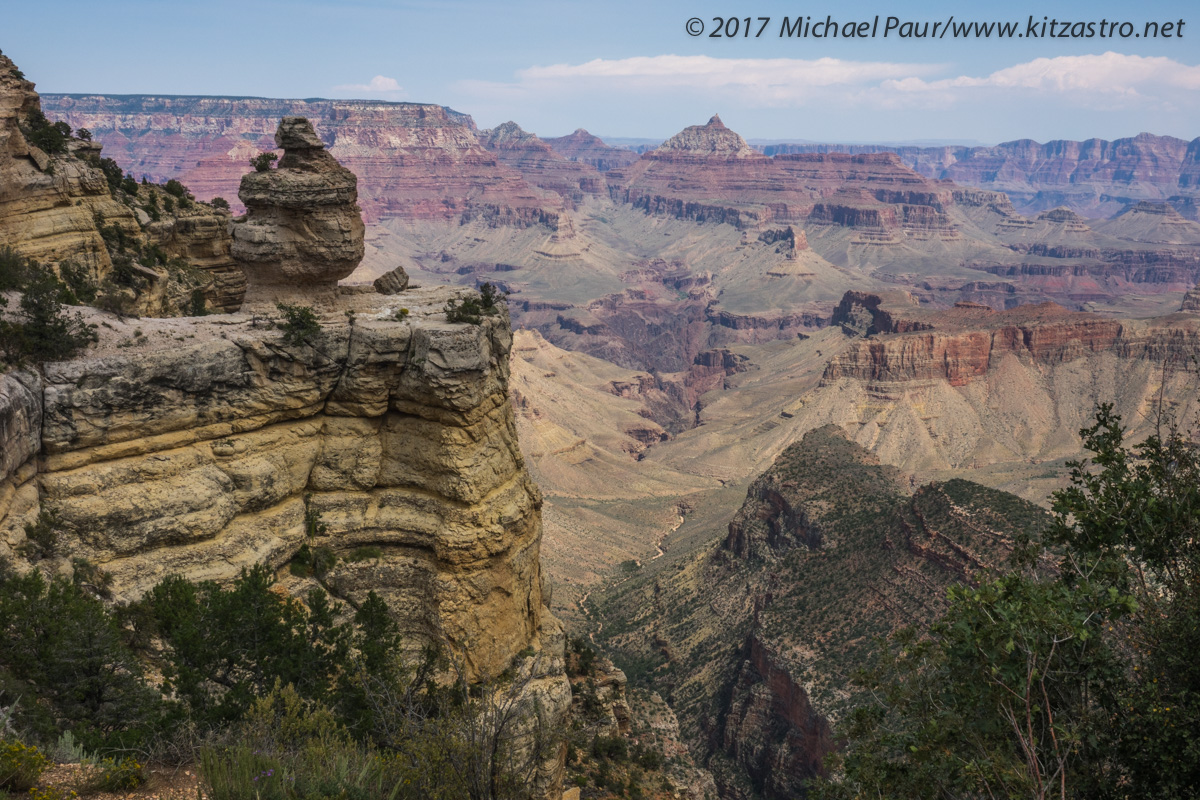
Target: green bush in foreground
pixel 1083 683
pixel 20 765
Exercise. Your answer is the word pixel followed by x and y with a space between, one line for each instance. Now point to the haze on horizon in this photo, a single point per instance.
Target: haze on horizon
pixel 631 70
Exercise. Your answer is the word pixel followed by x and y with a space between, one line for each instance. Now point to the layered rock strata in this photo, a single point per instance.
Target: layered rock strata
pixel 541 165
pixel 588 149
pixel 303 229
pixel 49 203
pixel 1094 177
pixel 413 160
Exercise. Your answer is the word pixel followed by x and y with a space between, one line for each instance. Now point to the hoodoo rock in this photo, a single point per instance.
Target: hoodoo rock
pixel 303 229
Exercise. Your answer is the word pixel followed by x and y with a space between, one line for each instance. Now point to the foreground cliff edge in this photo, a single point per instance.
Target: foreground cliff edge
pixel 195 447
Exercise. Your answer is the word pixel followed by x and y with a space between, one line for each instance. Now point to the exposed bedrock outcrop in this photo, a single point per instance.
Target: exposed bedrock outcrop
pixel 303 229
pixel 966 342
pixel 49 203
pixel 199 457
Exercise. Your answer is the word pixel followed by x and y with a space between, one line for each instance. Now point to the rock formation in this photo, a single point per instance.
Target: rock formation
pixel 49 202
pixel 392 282
pixel 710 139
pixel 1095 177
pixel 56 207
pixel 588 149
pixel 827 551
pixel 413 160
pixel 1191 300
pixel 196 455
pixel 541 165
pixel 303 229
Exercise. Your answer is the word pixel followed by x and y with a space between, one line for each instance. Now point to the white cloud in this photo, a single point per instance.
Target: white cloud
pixel 762 81
pixel 1107 73
pixel 381 86
pixel 1105 81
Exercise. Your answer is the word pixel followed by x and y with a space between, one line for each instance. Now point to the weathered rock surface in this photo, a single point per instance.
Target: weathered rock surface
pixel 196 457
pixel 755 640
pixel 303 229
pixel 54 208
pixel 709 173
pixel 392 282
pixel 1191 300
pixel 48 204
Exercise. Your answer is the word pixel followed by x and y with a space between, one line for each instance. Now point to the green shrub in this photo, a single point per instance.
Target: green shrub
pixel 120 775
pixel 219 202
pixel 52 137
pixel 46 331
pixel 112 173
pixel 20 765
pixel 473 308
pixel 365 553
pixel 78 278
pixel 299 323
pixel 263 161
pixel 198 304
pixel 41 536
pixel 176 189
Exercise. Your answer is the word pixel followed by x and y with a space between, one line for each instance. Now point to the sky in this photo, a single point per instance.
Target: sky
pixel 633 69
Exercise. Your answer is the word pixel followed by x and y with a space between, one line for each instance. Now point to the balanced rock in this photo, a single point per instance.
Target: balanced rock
pixel 303 229
pixel 393 282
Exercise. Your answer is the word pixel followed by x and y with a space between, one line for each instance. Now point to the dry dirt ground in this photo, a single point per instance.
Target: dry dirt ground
pixel 165 783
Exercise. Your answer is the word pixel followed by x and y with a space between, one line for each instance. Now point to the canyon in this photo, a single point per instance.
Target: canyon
pixel 745 410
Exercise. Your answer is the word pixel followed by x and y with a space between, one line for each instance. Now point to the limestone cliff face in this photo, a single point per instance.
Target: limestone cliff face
pixel 195 458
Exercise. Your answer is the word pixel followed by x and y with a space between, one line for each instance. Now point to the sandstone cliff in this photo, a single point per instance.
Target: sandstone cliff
pixel 49 203
pixel 57 207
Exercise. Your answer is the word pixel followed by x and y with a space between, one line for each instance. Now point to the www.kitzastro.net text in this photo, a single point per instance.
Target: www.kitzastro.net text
pixel 808 27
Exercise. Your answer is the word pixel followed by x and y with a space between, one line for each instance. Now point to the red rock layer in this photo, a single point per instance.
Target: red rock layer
pixel 701 174
pixel 414 161
pixel 1095 177
pixel 540 164
pixel 965 342
pixel 583 147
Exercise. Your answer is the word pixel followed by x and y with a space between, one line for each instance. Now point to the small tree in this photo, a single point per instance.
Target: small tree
pixel 263 161
pixel 299 323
